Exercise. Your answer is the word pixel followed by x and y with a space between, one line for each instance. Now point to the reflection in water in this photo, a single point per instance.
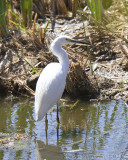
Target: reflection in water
pixel 89 131
pixel 50 152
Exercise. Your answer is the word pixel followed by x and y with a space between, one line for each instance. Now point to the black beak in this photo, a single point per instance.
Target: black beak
pixel 81 42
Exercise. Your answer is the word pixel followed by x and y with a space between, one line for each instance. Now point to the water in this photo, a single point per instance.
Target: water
pixel 97 130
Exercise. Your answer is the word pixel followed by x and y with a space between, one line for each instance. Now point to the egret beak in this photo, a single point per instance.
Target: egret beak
pixel 81 42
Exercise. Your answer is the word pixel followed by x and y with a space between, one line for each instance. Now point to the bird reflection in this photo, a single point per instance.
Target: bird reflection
pixel 45 151
pixel 46 130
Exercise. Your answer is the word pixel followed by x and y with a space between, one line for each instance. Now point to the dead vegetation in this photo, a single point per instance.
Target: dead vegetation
pixel 11 141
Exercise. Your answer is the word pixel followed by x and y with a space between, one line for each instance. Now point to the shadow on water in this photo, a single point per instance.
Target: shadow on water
pixel 95 130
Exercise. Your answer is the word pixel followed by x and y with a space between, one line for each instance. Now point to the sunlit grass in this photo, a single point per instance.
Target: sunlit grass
pixel 125 3
pixel 96 10
pixel 18 24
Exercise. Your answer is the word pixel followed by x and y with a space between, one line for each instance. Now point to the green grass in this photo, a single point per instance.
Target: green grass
pixel 95 7
pixel 26 10
pixel 19 24
pixel 125 3
pixel 4 18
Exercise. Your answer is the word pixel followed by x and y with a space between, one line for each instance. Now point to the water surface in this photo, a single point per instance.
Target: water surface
pixel 95 130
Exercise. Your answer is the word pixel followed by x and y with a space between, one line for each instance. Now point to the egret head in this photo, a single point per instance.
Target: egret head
pixel 64 39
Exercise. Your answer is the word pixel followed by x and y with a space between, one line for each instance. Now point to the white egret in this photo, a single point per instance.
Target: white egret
pixel 51 82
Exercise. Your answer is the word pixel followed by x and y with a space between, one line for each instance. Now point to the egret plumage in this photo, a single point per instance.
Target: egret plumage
pixel 51 82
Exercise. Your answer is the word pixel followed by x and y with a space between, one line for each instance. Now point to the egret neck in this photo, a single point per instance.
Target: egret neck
pixel 62 56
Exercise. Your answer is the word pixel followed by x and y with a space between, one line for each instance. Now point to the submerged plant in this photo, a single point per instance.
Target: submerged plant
pixel 3 18
pixel 26 9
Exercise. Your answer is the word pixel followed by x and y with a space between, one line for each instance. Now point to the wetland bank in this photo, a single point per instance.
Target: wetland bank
pixel 95 129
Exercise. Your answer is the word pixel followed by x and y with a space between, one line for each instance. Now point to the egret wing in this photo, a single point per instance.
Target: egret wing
pixel 49 89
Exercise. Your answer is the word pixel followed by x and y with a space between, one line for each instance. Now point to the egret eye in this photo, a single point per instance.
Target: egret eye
pixel 68 39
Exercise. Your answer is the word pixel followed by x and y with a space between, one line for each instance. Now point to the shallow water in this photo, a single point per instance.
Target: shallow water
pixel 97 130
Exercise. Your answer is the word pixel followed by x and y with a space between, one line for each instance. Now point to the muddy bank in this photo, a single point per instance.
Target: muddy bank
pixel 97 71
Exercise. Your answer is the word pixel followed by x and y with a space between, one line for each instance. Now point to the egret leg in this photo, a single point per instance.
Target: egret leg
pixel 57 129
pixel 46 125
pixel 57 116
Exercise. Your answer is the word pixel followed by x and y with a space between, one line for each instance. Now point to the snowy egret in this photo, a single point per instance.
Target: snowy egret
pixel 51 82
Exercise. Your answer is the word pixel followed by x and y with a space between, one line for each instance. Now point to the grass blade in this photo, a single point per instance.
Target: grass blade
pixel 22 29
pixel 26 10
pixel 95 7
pixel 20 24
pixel 99 10
pixel 4 18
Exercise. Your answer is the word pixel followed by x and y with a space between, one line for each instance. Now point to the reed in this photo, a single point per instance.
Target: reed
pixel 4 18
pixel 26 10
pixel 95 7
